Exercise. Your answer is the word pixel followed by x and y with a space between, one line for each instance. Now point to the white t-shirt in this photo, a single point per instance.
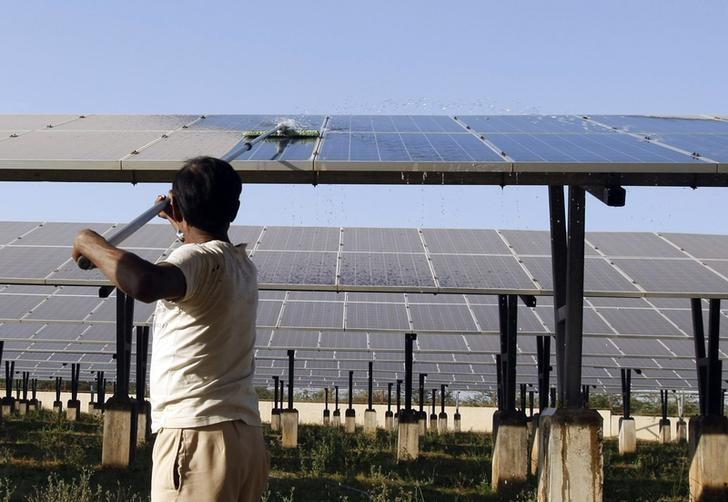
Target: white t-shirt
pixel 203 344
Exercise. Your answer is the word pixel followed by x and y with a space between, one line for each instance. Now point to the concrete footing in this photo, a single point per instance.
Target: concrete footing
pixel 33 406
pixel 535 451
pixel 73 410
pixel 457 423
pixel 90 408
pixel 289 428
pixel 336 418
pixel 433 423
pixel 408 437
pixel 442 423
pixel 57 408
pixel 275 420
pixel 21 407
pixel 395 422
pixel 97 410
pixel 119 442
pixel 627 436
pixel 421 423
pixel 571 465
pixel 531 424
pixel 510 453
pixel 665 434
pixel 388 421
pixel 327 418
pixel 370 422
pixel 681 431
pixel 708 475
pixel 350 421
pixel 144 422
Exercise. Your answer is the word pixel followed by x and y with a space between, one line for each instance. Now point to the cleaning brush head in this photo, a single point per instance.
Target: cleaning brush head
pixel 285 132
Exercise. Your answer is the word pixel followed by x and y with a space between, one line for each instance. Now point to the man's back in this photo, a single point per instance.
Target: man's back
pixel 202 354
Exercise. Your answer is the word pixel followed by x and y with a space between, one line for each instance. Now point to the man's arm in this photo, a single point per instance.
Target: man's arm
pixel 135 276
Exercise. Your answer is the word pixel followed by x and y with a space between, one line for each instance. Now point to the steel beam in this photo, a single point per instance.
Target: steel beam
pixel 573 335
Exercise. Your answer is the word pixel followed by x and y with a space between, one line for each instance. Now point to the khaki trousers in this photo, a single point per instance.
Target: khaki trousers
pixel 225 462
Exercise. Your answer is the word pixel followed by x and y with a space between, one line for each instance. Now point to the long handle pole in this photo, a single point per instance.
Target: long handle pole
pixel 124 233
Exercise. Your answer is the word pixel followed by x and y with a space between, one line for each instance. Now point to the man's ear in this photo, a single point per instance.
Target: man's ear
pixel 175 212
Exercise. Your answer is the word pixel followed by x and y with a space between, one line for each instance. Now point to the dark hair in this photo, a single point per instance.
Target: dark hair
pixel 207 192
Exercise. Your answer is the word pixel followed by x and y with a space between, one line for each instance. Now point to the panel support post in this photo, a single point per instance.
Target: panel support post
pixel 336 420
pixel 510 430
pixel 370 415
pixel 442 417
pixel 73 406
pixel 708 433
pixel 408 437
pixel 433 415
pixel 388 415
pixel 144 407
pixel 275 413
pixel 570 457
pixel 350 414
pixel 120 418
pixel 664 421
pixel 22 403
pixel 327 413
pixel 289 416
pixel 422 414
pixel 398 410
pixel 627 427
pixel 8 402
pixel 98 406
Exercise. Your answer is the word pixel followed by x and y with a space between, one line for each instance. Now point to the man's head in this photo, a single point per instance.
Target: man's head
pixel 207 193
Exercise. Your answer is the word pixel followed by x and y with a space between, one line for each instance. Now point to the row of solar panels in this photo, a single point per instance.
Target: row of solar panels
pixel 431 260
pixel 129 142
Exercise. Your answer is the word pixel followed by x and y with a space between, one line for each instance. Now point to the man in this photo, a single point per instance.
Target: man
pixel 209 445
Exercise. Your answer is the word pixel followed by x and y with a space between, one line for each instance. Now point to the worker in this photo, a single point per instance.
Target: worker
pixel 209 444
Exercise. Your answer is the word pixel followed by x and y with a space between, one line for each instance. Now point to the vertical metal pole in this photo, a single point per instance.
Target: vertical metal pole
pixel 434 398
pixel 291 355
pixel 499 380
pixel 281 394
pixel 142 343
pixel 59 383
pixel 510 365
pixel 558 269
pixel 700 360
pixel 371 377
pixel 409 339
pixel 336 391
pixel 553 397
pixel 523 397
pixel 714 365
pixel 530 403
pixel 389 396
pixel 275 392
pixel 422 391
pixel 351 388
pixel 442 398
pixel 574 297
pixel 399 404
pixel 326 398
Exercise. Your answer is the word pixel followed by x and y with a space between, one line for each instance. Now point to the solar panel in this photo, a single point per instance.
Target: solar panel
pixel 464 241
pixel 65 308
pixel 294 339
pixel 381 240
pixel 599 276
pixel 321 315
pixel 647 125
pixel 17 306
pixel 376 316
pixel 375 297
pixel 286 267
pixel 674 276
pixel 300 238
pixel 639 322
pixel 442 318
pixel 632 244
pixel 487 272
pixel 385 269
pixel 268 313
pixel 445 343
pixel 701 246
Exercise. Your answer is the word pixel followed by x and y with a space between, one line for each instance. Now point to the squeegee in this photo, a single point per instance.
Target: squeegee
pixel 283 130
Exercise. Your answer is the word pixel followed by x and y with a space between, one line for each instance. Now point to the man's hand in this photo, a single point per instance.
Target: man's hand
pixel 85 239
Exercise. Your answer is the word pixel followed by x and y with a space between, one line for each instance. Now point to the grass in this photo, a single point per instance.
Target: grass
pixel 44 459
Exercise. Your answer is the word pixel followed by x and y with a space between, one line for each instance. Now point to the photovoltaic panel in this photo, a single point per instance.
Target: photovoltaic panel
pixel 712 146
pixel 534 242
pixel 593 324
pixel 482 343
pixel 464 241
pixel 473 271
pixel 381 240
pixel 599 347
pixel 647 125
pixel 154 235
pixel 268 313
pixel 242 123
pixel 632 244
pixel 17 123
pixel 434 298
pixel 375 297
pixel 12 230
pixel 442 343
pixel 532 124
pixel 240 234
pixel 493 299
pixel 701 246
pixel 107 311
pixel 394 123
pixel 321 296
pixel 607 302
pixel 118 123
pixel 376 316
pixel 15 331
pixel 28 262
pixel 642 347
pixel 410 147
pixel 442 318
pixel 70 270
pixel 288 267
pixel 596 148
pixel 639 322
pixel 379 341
pixel 673 276
pixel 65 308
pixel 385 269
pixel 17 306
pixel 297 149
pixel 300 239
pixel 262 337
pixel 320 315
pixel 294 339
pixel 598 275
pixel 271 295
pixel 340 340
pixel 184 144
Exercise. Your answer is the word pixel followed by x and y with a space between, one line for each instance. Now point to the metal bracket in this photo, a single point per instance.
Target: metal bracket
pixel 613 196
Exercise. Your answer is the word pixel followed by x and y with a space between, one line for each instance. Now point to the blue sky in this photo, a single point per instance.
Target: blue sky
pixel 287 57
